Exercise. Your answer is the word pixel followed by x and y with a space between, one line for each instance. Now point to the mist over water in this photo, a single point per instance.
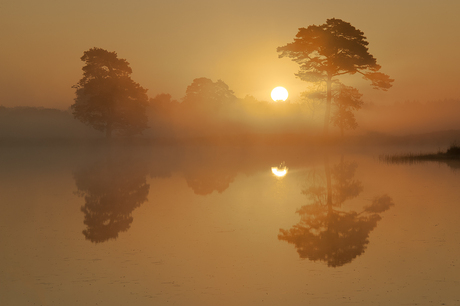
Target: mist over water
pixel 247 121
pixel 201 224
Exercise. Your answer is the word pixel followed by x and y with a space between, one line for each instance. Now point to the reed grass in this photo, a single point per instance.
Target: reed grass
pixel 452 153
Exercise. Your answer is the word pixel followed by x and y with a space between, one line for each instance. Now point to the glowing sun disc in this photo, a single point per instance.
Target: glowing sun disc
pixel 279 172
pixel 279 94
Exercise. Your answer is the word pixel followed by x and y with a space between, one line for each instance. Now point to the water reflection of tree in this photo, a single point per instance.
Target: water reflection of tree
pixel 204 181
pixel 210 170
pixel 112 189
pixel 344 185
pixel 327 233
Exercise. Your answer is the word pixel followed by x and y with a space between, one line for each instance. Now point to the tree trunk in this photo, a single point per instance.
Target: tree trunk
pixel 327 169
pixel 328 105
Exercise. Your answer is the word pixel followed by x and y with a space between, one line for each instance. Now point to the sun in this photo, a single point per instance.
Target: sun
pixel 280 171
pixel 279 94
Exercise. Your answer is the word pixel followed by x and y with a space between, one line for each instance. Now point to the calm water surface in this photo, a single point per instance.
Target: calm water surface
pixel 201 225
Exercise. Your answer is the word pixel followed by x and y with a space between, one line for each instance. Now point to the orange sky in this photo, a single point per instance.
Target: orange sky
pixel 170 43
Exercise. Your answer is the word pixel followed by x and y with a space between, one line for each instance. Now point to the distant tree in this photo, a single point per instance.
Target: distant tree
pixel 205 95
pixel 161 113
pixel 205 107
pixel 163 105
pixel 249 99
pixel 346 101
pixel 107 98
pixel 330 50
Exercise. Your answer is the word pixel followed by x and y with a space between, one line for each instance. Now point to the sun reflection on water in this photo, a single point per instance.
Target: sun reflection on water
pixel 280 171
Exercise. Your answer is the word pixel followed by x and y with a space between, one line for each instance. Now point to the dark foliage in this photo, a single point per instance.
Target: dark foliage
pixel 107 98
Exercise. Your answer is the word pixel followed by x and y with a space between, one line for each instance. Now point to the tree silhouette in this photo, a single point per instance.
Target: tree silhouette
pixel 328 234
pixel 161 112
pixel 344 185
pixel 211 169
pixel 346 101
pixel 206 181
pixel 313 99
pixel 112 190
pixel 205 95
pixel 330 50
pixel 203 109
pixel 107 98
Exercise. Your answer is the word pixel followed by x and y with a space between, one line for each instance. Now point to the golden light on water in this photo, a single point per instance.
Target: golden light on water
pixel 280 171
pixel 279 94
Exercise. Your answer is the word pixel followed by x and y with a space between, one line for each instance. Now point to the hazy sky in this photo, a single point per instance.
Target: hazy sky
pixel 170 43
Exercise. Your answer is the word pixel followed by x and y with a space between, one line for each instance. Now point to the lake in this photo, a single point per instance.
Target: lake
pixel 213 225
